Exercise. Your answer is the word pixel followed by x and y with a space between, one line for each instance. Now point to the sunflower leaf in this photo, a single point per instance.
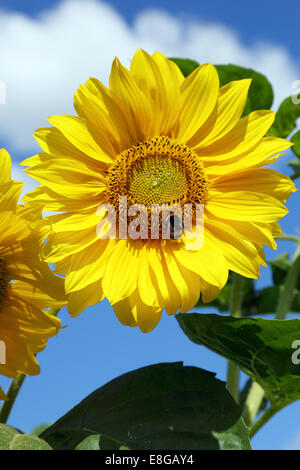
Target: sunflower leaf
pixel 280 267
pixel 286 117
pixel 89 443
pixel 12 439
pixel 260 94
pixel 295 165
pixel 163 406
pixel 263 301
pixel 223 300
pixel 267 300
pixel 186 66
pixel 263 349
pixel 296 147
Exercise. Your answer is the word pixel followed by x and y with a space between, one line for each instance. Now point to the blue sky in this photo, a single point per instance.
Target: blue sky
pixel 94 348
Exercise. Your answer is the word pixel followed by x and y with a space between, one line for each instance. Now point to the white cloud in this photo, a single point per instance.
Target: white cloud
pixel 43 60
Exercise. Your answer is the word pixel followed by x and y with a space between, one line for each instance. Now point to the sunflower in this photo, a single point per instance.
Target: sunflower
pixel 27 285
pixel 157 138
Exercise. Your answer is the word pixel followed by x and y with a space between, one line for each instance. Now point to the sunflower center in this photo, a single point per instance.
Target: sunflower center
pixel 3 281
pixel 157 180
pixel 157 171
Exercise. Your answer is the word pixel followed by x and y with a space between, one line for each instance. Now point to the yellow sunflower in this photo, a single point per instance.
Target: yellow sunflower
pixel 158 138
pixel 27 285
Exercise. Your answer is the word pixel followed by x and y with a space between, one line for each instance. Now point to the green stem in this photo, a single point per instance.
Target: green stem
pixel 12 394
pixel 256 394
pixel 289 238
pixel 233 379
pixel 252 405
pixel 233 372
pixel 287 295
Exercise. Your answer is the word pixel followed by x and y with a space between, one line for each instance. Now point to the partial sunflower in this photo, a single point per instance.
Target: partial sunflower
pixel 27 285
pixel 158 138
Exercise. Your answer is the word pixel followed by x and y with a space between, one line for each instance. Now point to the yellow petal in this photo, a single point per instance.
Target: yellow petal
pixel 123 125
pixel 61 245
pixel 241 255
pixel 157 77
pixel 89 107
pixel 168 69
pixel 53 201
pixel 146 286
pixel 80 300
pixel 199 97
pixel 125 87
pixel 5 166
pixel 242 138
pixel 70 178
pixel 257 157
pixel 32 294
pixel 208 262
pixel 146 317
pixel 186 282
pixel 167 292
pixel 74 221
pixel 121 282
pixel 76 131
pixel 123 311
pixel 230 105
pixel 208 291
pixel 89 265
pixel 245 205
pixel 263 181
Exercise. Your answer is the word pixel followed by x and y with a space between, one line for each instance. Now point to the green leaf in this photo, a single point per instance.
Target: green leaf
pixel 164 406
pixel 258 302
pixel 295 165
pixel 261 348
pixel 186 66
pixel 296 303
pixel 280 267
pixel 11 439
pixel 223 300
pixel 89 443
pixel 260 94
pixel 286 117
pixel 267 300
pixel 296 147
pixel 235 438
pixel 39 429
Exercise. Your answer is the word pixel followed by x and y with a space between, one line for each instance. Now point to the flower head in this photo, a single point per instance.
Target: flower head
pixel 157 138
pixel 27 285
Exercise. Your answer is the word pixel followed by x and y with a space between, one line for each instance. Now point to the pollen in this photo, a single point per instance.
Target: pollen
pixel 158 180
pixel 157 171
